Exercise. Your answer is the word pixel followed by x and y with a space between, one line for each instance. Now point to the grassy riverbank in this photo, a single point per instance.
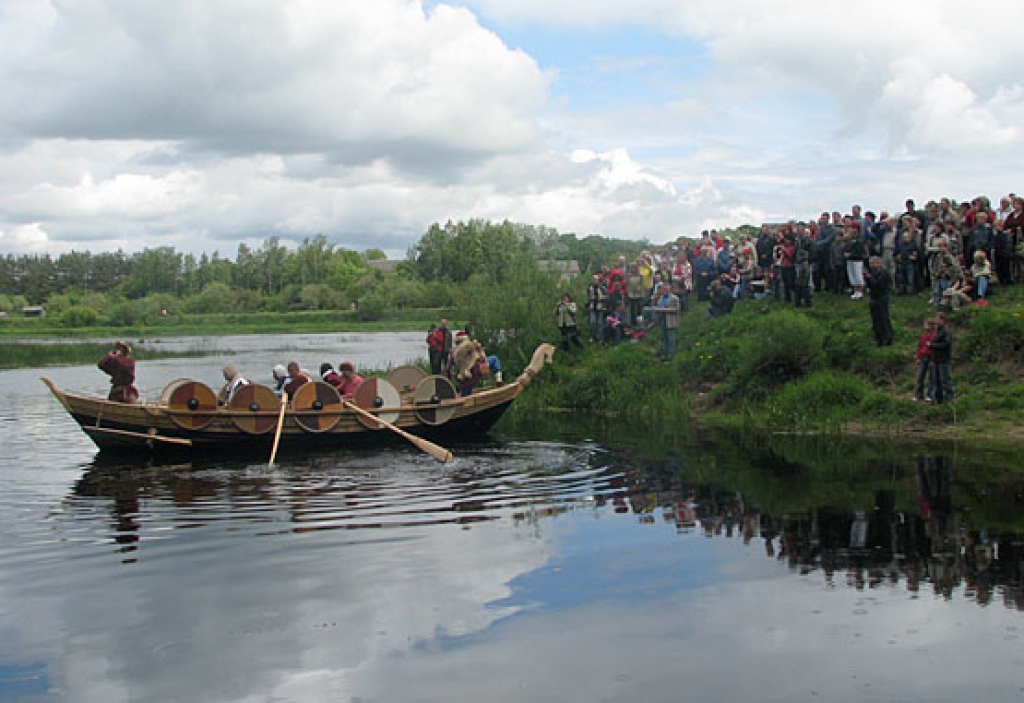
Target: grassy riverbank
pixel 769 367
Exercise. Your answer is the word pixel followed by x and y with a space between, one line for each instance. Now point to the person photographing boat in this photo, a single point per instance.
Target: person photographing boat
pixel 120 366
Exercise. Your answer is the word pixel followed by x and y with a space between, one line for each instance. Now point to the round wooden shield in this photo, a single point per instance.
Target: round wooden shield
pixel 317 406
pixel 373 394
pixel 406 378
pixel 430 392
pixel 191 404
pixel 255 409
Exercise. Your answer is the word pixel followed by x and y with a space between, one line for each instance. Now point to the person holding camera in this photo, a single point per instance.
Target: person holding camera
pixel 565 316
pixel 120 366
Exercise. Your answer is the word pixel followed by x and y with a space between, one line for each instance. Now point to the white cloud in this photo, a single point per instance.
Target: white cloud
pixel 29 238
pixel 200 125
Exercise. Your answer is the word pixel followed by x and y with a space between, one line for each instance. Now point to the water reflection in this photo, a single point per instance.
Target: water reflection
pixel 912 534
pixel 575 561
pixel 379 490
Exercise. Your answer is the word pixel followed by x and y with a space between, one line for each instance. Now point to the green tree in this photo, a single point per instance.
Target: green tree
pixel 311 262
pixel 455 252
pixel 156 270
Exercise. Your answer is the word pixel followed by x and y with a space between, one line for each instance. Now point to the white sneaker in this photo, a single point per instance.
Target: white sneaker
pixel 856 296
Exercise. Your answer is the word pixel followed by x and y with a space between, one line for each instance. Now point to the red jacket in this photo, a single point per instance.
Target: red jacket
pixel 923 341
pixel 436 340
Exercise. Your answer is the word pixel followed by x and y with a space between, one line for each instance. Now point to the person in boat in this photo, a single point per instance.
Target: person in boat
pixel 472 364
pixel 349 379
pixel 329 375
pixel 435 348
pixel 297 378
pixel 280 374
pixel 120 366
pixel 233 381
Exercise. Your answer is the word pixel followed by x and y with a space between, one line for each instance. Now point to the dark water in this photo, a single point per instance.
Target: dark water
pixel 560 561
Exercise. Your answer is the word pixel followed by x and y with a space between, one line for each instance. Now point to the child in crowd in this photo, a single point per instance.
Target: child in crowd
pixel 981 271
pixel 923 390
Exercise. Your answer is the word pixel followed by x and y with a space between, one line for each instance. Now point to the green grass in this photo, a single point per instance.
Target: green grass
pixel 770 367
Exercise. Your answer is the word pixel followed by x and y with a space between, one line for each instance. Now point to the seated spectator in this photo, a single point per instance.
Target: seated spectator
pixel 958 294
pixel 721 300
pixel 981 271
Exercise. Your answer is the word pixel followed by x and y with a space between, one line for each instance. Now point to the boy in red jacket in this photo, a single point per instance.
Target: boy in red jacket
pixel 924 362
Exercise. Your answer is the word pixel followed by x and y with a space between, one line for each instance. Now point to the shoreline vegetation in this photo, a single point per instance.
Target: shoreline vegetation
pixel 764 368
pixel 770 368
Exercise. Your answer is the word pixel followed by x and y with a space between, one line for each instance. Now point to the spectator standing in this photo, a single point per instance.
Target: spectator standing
pixel 908 258
pixel 945 270
pixel 435 349
pixel 447 343
pixel 565 317
pixel 855 253
pixel 1002 254
pixel 667 307
pixel 1014 227
pixel 942 352
pixel 879 285
pixel 923 388
pixel 597 306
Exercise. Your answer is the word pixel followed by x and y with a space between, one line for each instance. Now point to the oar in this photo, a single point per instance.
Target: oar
pixel 439 453
pixel 277 432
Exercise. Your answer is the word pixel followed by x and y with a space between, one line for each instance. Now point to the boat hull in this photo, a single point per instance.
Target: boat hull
pixel 170 427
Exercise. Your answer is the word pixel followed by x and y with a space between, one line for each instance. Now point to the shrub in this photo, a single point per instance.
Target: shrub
pixel 780 348
pixel 79 316
pixel 993 335
pixel 821 398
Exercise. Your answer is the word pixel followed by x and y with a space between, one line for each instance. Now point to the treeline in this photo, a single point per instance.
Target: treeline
pixel 444 269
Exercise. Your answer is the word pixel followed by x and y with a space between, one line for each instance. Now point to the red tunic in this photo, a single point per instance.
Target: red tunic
pixel 121 370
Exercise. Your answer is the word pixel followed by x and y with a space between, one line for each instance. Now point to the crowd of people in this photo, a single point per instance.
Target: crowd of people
pixel 954 252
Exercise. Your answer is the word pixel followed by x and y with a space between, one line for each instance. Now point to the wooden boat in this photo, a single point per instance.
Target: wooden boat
pixel 407 404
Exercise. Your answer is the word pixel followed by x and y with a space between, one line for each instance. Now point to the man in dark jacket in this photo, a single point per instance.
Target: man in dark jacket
pixel 879 285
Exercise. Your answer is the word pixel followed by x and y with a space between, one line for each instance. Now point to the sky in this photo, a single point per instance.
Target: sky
pixel 202 124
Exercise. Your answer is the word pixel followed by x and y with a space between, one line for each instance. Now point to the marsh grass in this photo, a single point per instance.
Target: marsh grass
pixel 31 355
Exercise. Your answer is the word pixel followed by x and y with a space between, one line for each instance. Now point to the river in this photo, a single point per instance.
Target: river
pixel 562 560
